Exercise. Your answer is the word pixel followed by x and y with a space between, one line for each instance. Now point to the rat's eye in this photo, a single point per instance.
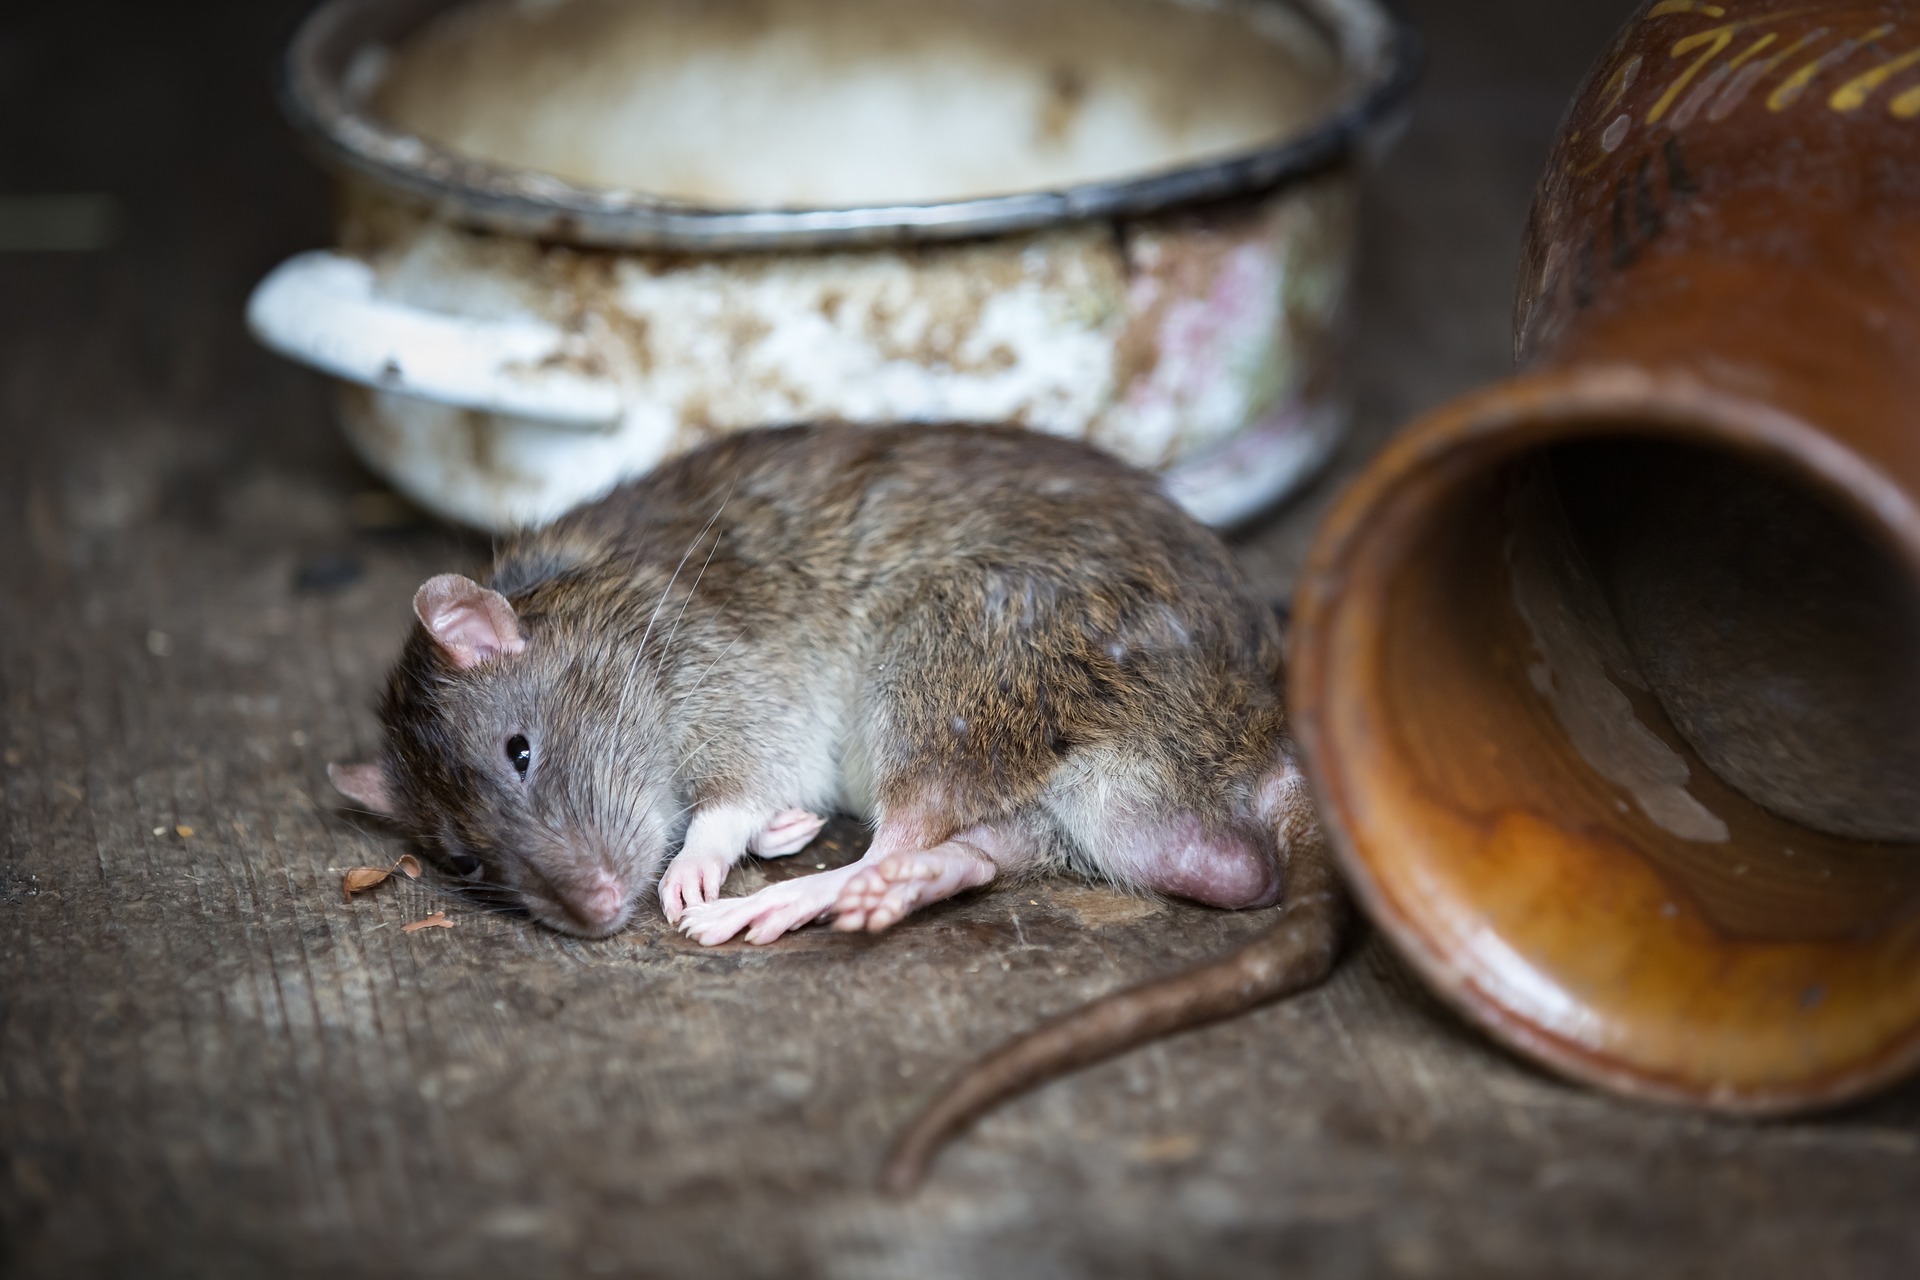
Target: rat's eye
pixel 520 751
pixel 464 865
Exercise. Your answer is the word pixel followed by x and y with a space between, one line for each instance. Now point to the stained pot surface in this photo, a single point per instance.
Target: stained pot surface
pixel 843 103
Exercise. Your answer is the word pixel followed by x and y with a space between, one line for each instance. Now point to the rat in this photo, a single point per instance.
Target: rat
pixel 1013 654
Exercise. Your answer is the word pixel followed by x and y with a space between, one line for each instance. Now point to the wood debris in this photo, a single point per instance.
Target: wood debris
pixel 438 920
pixel 358 879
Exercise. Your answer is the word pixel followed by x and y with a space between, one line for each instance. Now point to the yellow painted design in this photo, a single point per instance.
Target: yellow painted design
pixel 1620 81
pixel 1578 170
pixel 1666 7
pixel 1853 95
pixel 1819 33
pixel 1738 84
pixel 1745 55
pixel 1907 105
pixel 1793 86
pixel 1715 39
pixel 1719 82
pixel 1811 37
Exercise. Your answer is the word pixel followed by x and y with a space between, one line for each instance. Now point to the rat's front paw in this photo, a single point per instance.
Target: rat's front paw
pixel 691 879
pixel 788 832
pixel 766 915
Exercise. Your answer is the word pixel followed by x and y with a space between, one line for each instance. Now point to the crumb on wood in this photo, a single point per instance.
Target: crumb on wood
pixel 359 879
pixel 438 920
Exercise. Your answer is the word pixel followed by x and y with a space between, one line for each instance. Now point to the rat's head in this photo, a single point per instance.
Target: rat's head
pixel 524 752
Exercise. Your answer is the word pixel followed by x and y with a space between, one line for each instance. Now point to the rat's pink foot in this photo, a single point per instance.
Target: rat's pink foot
pixel 789 831
pixel 694 877
pixel 716 839
pixel 766 915
pixel 882 895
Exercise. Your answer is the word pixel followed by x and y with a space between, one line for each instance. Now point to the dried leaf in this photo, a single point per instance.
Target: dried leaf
pixel 438 920
pixel 408 866
pixel 358 878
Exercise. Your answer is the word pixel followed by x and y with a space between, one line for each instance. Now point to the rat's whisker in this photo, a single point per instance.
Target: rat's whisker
pixel 685 809
pixel 711 665
pixel 640 652
pixel 465 893
pixel 667 644
pixel 707 742
pixel 693 546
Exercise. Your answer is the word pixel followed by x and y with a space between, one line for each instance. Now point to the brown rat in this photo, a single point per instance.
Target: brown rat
pixel 1011 653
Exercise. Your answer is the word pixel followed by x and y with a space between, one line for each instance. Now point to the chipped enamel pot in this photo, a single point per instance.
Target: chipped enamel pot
pixel 579 236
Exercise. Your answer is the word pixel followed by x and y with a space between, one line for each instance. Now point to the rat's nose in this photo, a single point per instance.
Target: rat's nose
pixel 602 903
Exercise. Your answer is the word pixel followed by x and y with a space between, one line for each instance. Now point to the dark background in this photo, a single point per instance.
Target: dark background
pixel 211 1066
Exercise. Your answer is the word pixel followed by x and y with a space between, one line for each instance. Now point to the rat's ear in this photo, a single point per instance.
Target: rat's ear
pixel 367 785
pixel 470 623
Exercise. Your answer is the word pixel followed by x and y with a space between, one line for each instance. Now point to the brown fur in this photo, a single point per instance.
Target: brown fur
pixel 962 633
pixel 986 603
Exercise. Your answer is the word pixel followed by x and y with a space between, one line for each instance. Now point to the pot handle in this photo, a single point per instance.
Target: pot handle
pixel 321 308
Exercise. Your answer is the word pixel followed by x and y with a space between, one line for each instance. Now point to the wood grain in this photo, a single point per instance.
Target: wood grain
pixel 212 1066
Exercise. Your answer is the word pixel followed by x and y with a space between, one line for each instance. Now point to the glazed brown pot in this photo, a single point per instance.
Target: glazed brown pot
pixel 1610 674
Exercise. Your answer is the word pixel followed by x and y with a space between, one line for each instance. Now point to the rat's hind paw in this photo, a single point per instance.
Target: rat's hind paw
pixel 787 832
pixel 766 915
pixel 882 895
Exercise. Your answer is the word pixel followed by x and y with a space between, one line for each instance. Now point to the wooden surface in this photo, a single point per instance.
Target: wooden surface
pixel 212 1066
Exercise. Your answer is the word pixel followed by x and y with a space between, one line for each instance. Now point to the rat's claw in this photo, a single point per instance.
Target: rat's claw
pixel 776 924
pixel 712 923
pixel 766 915
pixel 690 881
pixel 787 832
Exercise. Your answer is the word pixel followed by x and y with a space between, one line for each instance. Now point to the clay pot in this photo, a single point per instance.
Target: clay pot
pixel 1610 673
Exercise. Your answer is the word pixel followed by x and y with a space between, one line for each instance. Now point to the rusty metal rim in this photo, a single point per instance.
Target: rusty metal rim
pixel 314 98
pixel 1464 437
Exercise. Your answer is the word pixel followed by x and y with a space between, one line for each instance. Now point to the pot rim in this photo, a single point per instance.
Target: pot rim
pixel 1467 437
pixel 314 96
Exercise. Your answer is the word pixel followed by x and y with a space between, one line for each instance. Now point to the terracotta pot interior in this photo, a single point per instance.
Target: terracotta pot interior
pixel 1683 648
pixel 1623 736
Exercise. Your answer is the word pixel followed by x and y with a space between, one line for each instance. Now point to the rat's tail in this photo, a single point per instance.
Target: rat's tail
pixel 1297 953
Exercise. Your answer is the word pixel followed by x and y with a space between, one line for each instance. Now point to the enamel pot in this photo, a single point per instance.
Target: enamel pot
pixel 577 237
